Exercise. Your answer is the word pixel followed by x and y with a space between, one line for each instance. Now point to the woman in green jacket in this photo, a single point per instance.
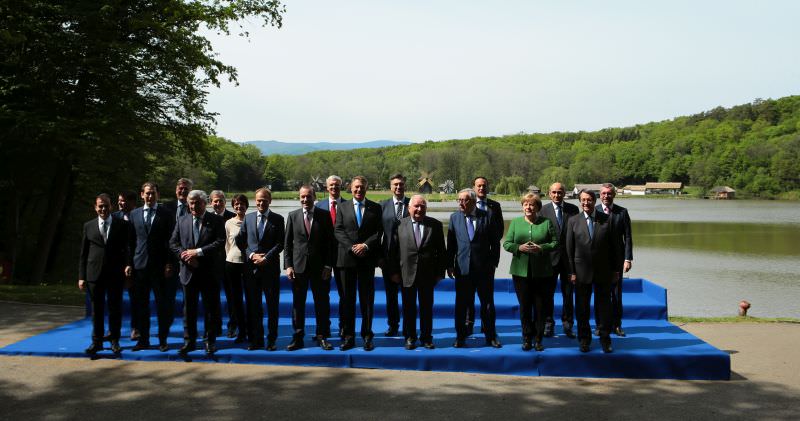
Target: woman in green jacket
pixel 530 239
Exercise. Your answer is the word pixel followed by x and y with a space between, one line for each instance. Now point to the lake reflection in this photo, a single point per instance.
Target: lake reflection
pixel 708 254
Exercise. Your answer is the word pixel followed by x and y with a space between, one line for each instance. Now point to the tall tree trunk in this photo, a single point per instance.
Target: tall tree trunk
pixel 58 200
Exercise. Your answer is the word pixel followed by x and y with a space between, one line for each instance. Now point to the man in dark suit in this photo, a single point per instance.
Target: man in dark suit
pixel 153 267
pixel 591 250
pixel 180 207
pixel 393 210
pixel 559 213
pixel 334 186
pixel 358 231
pixel 105 262
pixel 217 198
pixel 621 222
pixel 420 252
pixel 308 259
pixel 197 240
pixel 473 251
pixel 261 241
pixel 481 186
pixel 126 202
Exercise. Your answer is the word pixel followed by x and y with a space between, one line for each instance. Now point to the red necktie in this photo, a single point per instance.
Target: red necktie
pixel 333 212
pixel 605 209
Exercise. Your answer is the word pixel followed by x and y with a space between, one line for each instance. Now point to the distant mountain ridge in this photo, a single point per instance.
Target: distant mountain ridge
pixel 273 147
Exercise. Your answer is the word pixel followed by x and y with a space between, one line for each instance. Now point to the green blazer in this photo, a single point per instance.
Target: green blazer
pixel 541 232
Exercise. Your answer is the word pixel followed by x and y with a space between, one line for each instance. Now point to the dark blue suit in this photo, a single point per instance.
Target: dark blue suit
pixel 199 279
pixel 473 262
pixel 390 223
pixel 150 258
pixel 325 205
pixel 621 222
pixel 265 278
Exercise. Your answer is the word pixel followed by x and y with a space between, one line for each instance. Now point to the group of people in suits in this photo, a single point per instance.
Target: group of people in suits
pixel 156 247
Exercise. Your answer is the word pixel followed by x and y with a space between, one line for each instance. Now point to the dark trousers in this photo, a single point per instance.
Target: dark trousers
pixel 602 304
pixel 471 308
pixel 616 303
pixel 531 293
pixel 424 291
pixel 337 277
pixel 234 288
pixel 164 291
pixel 267 283
pixel 99 292
pixel 392 304
pixel 561 270
pixel 207 288
pixel 320 290
pixel 361 279
pixel 466 286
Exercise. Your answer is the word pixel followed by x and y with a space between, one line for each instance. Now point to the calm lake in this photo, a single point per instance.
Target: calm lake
pixel 708 254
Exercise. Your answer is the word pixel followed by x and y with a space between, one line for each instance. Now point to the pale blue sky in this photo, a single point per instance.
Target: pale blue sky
pixel 435 70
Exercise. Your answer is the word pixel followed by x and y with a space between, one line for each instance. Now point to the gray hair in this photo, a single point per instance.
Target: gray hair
pixel 609 186
pixel 184 180
pixel 471 192
pixel 333 177
pixel 219 193
pixel 419 196
pixel 197 194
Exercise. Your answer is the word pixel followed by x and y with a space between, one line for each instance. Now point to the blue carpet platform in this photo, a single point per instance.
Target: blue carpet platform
pixel 653 348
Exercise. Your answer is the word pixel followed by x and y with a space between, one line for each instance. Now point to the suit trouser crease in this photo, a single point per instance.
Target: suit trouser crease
pixel 100 293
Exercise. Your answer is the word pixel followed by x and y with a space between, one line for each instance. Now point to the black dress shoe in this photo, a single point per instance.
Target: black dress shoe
pixel 324 344
pixel 135 335
pixel 341 333
pixel 232 333
pixel 619 332
pixel 391 332
pixel 94 348
pixel 271 345
pixel 549 330
pixel 526 345
pixel 368 345
pixel 115 348
pixel 255 346
pixel 459 343
pixel 295 345
pixel 211 348
pixel 411 344
pixel 596 332
pixel 141 346
pixel 538 346
pixel 347 343
pixel 163 347
pixel 568 333
pixel 494 343
pixel 428 345
pixel 584 347
pixel 107 336
pixel 606 344
pixel 187 348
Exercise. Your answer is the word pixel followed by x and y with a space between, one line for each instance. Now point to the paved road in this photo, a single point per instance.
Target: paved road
pixel 765 386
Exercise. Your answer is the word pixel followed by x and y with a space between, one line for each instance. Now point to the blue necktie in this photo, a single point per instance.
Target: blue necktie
pixel 470 228
pixel 358 213
pixel 148 219
pixel 196 230
pixel 261 223
pixel 559 217
pixel 590 224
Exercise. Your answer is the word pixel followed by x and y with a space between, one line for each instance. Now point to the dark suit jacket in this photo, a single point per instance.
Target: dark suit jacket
pixel 481 254
pixel 324 204
pixel 592 259
pixel 152 248
pixel 211 241
pixel 496 216
pixel 568 210
pixel 348 233
pixel 390 222
pixel 621 222
pixel 105 261
pixel 425 263
pixel 271 242
pixel 308 253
